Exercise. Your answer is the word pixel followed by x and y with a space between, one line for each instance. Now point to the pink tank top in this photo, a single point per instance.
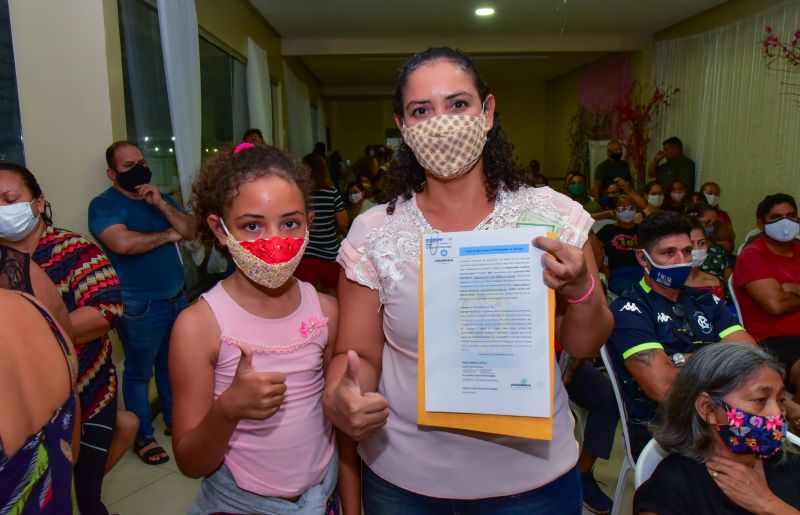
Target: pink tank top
pixel 289 452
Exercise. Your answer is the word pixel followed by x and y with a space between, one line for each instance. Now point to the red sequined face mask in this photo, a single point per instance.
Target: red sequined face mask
pixel 269 262
pixel 274 250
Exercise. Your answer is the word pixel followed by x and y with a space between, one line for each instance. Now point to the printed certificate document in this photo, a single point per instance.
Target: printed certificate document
pixel 486 341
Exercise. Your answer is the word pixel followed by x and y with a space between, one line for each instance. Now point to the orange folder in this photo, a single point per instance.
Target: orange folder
pixel 539 428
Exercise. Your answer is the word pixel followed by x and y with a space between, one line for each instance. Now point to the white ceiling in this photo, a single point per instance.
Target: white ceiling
pixel 381 18
pixel 361 43
pixel 341 71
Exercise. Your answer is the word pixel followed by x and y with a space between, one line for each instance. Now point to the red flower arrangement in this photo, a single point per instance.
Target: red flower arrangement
pixel 634 117
pixel 630 120
pixel 775 49
pixel 274 250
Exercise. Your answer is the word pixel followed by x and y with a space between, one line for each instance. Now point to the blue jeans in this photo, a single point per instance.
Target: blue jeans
pixel 562 496
pixel 145 329
pixel 219 493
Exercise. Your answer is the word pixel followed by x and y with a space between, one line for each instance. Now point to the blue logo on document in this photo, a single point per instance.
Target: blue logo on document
pixel 439 248
pixel 522 384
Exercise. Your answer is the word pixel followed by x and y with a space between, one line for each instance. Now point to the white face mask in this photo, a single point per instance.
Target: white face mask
pixel 782 230
pixel 712 200
pixel 698 257
pixel 355 197
pixel 17 221
pixel 677 196
pixel 655 200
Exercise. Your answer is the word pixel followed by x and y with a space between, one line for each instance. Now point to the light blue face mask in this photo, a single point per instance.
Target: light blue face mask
pixel 669 276
pixel 17 221
pixel 626 216
pixel 784 229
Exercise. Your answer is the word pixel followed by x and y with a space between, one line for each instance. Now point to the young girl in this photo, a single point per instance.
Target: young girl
pixel 246 361
pixel 700 279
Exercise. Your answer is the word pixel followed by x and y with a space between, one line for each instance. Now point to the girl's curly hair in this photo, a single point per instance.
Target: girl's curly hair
pixel 406 176
pixel 221 177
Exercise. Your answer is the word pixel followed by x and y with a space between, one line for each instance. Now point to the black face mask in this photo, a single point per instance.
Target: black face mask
pixel 134 177
pixel 616 156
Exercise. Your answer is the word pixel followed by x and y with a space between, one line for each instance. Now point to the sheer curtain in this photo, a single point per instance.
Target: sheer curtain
pixel 181 46
pixel 278 130
pixel 738 118
pixel 259 94
pixel 298 112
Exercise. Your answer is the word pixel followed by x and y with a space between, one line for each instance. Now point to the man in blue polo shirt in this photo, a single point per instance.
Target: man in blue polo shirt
pixel 139 227
pixel 659 323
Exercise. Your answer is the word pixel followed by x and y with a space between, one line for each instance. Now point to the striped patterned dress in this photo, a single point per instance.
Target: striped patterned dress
pixel 322 241
pixel 84 276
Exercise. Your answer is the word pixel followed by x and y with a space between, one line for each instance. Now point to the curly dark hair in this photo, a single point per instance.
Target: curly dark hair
pixel 220 178
pixel 406 176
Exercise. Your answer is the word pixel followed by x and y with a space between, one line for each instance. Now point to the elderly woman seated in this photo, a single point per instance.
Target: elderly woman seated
pixel 725 427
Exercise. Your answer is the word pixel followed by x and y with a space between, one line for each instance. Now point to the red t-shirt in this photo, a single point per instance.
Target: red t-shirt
pixel 757 262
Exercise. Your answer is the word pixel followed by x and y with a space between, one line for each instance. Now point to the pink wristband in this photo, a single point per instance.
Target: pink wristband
pixel 585 295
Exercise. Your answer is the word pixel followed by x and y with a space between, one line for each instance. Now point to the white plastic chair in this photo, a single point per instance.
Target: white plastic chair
pixel 747 238
pixel 793 438
pixel 599 224
pixel 651 456
pixel 628 463
pixel 735 300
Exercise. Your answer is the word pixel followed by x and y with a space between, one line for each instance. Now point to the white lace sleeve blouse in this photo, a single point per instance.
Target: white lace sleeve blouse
pixel 381 252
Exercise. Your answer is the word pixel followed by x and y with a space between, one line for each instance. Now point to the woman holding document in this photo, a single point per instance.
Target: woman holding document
pixel 455 172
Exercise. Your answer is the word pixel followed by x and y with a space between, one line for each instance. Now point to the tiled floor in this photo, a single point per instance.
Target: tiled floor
pixel 133 488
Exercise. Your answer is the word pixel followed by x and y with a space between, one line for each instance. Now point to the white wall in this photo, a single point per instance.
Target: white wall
pixel 63 81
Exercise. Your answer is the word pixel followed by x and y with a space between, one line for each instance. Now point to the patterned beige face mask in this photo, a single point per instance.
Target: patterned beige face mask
pixel 447 145
pixel 271 275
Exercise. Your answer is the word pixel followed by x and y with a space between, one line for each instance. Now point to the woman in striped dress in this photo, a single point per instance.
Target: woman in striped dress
pixel 318 265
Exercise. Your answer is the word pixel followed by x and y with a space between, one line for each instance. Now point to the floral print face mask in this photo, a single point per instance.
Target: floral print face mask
pixel 752 434
pixel 269 262
pixel 447 145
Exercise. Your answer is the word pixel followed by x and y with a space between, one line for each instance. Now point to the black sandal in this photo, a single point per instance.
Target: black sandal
pixel 147 455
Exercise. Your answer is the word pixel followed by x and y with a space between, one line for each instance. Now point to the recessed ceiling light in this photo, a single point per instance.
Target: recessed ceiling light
pixel 484 11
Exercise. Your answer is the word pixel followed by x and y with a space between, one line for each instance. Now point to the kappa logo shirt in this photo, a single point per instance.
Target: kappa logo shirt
pixel 644 320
